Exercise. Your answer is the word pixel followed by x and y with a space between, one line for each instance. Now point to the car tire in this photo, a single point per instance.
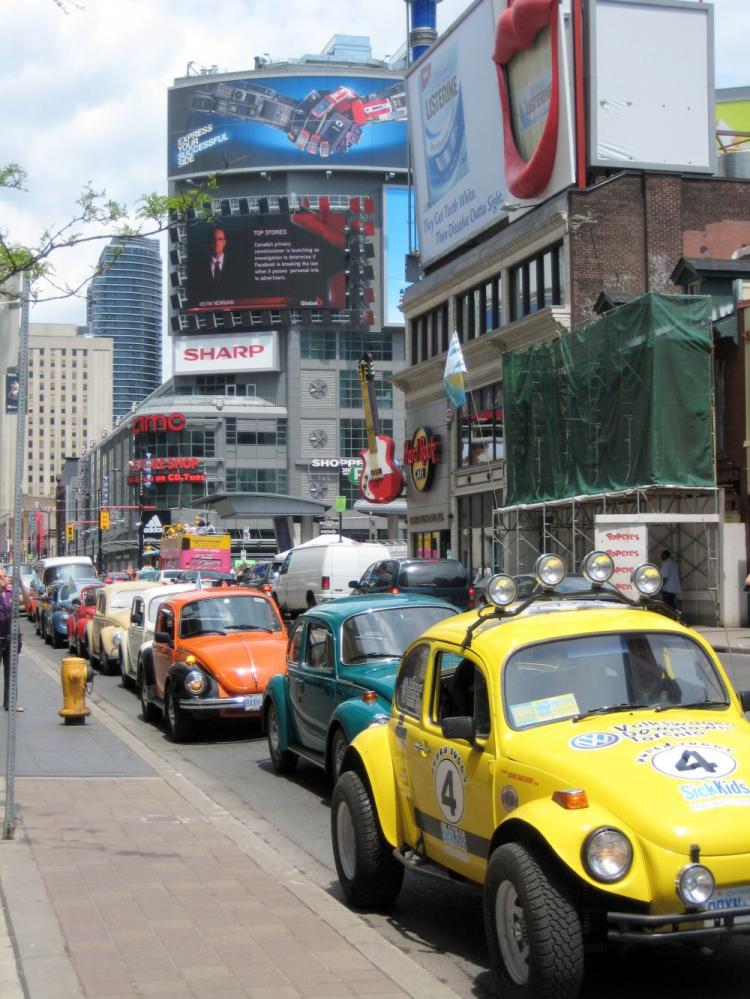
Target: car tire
pixel 149 711
pixel 370 875
pixel 339 746
pixel 311 601
pixel 57 641
pixel 82 648
pixel 46 636
pixel 284 761
pixel 125 680
pixel 178 723
pixel 533 931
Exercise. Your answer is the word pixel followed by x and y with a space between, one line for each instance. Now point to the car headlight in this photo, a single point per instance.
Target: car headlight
pixel 607 854
pixel 695 884
pixel 598 567
pixel 64 615
pixel 501 590
pixel 647 579
pixel 550 570
pixel 195 682
pixel 116 638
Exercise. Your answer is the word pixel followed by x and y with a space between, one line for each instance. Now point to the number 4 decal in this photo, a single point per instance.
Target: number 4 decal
pixel 449 790
pixel 691 759
pixel 447 796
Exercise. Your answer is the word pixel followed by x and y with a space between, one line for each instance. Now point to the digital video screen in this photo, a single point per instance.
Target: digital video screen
pixel 279 261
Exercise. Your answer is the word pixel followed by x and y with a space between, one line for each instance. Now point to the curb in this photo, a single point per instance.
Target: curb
pixel 245 828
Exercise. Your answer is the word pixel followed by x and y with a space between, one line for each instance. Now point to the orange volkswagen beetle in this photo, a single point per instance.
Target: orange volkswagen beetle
pixel 213 653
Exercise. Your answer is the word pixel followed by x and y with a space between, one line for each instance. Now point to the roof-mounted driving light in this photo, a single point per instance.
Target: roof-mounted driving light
pixel 501 590
pixel 646 579
pixel 550 570
pixel 598 567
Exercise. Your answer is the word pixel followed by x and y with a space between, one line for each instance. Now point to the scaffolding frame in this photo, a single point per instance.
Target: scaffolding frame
pixel 685 520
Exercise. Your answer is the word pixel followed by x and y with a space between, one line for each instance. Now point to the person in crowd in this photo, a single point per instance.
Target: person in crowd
pixel 6 619
pixel 671 583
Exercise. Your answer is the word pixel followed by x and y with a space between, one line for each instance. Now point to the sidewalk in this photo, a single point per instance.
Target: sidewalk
pixel 125 879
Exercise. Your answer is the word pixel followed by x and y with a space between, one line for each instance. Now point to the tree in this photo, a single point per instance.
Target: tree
pixel 95 217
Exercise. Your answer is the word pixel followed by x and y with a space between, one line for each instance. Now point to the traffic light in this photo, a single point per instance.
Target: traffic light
pixel 104 520
pixel 70 532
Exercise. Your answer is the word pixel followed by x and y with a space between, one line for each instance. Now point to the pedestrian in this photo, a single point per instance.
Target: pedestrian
pixel 6 619
pixel 671 584
pixel 482 574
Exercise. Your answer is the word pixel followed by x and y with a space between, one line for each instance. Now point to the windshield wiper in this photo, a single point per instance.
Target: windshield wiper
pixel 373 655
pixel 609 709
pixel 692 704
pixel 247 627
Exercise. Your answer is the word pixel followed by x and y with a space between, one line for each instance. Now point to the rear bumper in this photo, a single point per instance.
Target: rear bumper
pixel 628 927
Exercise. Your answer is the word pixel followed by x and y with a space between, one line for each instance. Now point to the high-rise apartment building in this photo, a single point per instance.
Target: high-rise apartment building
pixel 124 303
pixel 69 400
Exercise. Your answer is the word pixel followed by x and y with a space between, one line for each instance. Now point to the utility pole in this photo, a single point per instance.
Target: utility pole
pixel 99 564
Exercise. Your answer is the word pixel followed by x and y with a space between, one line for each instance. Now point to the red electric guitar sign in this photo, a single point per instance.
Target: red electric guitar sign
pixel 381 480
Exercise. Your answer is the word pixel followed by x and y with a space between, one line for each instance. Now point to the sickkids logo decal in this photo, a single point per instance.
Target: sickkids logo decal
pixel 528 75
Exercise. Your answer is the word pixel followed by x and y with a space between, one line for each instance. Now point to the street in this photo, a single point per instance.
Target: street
pixel 438 925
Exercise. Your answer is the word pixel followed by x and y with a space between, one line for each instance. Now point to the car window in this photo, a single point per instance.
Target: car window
pixel 101 603
pixel 385 632
pixel 294 648
pixel 554 680
pixel 411 677
pixel 119 601
pixel 89 598
pixel 319 647
pixel 225 614
pixel 461 691
pixel 165 622
pixel 136 612
pixel 436 573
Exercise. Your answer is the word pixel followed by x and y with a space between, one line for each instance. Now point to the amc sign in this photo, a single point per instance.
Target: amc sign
pixel 159 422
pixel 422 454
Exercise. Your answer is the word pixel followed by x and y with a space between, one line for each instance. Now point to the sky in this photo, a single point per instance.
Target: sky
pixel 84 86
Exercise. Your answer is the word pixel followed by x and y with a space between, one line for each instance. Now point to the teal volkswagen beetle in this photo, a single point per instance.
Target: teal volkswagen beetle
pixel 342 659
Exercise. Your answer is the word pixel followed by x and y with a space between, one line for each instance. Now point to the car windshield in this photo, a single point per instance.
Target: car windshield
pixel 596 674
pixel 385 632
pixel 122 599
pixel 75 570
pixel 222 614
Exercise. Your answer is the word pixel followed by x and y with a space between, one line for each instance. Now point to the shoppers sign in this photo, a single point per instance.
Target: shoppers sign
pixel 238 353
pixel 422 455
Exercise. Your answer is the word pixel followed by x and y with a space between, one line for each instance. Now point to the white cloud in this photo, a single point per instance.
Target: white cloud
pixel 84 93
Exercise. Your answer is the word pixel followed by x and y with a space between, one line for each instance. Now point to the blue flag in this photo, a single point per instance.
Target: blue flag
pixel 453 379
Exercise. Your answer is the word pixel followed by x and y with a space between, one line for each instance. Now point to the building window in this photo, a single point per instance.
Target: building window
pixel 256 480
pixel 317 345
pixel 356 345
pixel 481 427
pixel 536 283
pixel 350 390
pixel 353 436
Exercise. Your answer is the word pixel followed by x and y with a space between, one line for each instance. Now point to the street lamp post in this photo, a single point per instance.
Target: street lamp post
pixel 99 563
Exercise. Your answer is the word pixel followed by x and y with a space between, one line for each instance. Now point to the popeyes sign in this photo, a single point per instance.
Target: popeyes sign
pixel 421 454
pixel 156 422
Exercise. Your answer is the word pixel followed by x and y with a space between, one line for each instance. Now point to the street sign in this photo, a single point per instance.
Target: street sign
pixel 340 504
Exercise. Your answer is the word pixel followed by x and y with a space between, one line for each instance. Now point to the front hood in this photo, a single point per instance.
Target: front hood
pixel 675 777
pixel 241 663
pixel 381 677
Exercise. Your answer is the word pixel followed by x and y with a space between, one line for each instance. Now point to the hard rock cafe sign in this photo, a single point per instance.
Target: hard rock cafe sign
pixel 421 454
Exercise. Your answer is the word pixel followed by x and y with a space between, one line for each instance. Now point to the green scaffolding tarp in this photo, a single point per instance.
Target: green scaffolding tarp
pixel 624 402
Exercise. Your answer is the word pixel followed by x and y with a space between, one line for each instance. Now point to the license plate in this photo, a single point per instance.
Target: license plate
pixel 252 702
pixel 731 898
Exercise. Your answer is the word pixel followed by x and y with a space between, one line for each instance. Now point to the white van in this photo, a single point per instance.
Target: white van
pixel 72 567
pixel 320 570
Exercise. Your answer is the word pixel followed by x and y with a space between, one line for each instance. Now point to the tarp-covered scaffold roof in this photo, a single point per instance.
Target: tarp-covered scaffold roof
pixel 622 403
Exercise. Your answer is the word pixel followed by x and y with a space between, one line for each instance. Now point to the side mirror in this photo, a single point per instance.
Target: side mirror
pixel 745 699
pixel 461 727
pixel 353 584
pixel 163 637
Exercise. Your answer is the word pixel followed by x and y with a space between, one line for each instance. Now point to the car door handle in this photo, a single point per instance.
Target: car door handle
pixel 421 748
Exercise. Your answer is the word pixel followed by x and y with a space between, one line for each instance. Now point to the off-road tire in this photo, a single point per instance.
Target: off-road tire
pixel 369 874
pixel 543 941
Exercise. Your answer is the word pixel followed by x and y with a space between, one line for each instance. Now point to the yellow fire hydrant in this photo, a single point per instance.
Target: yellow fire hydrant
pixel 75 673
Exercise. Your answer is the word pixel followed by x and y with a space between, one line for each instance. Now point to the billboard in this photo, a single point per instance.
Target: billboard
pixel 662 116
pixel 286 122
pixel 238 352
pixel 733 119
pixel 490 110
pixel 12 388
pixel 397 213
pixel 279 261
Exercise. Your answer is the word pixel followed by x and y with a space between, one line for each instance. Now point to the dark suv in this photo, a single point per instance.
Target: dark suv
pixel 439 577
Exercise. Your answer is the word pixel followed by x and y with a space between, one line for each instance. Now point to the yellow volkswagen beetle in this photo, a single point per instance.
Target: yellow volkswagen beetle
pixel 580 755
